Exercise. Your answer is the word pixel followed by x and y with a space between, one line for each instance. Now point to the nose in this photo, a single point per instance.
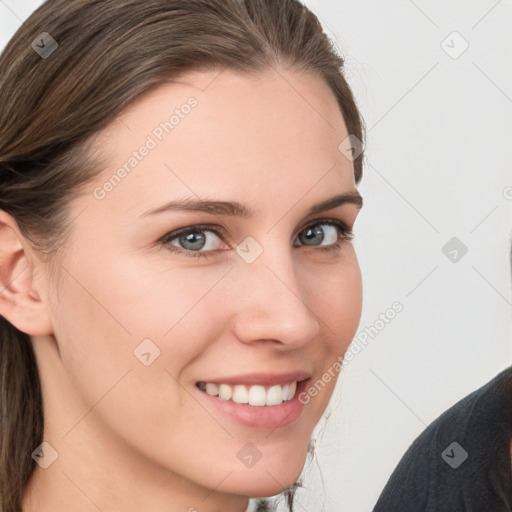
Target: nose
pixel 271 302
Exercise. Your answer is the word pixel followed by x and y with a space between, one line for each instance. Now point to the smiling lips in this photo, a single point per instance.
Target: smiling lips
pixel 255 395
pixel 264 401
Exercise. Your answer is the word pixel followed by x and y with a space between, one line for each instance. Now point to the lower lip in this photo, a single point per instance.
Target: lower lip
pixel 266 417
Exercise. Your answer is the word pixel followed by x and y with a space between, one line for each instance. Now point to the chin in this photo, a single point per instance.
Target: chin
pixel 260 485
pixel 264 480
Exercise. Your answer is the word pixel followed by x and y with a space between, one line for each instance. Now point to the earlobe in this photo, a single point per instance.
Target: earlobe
pixel 21 298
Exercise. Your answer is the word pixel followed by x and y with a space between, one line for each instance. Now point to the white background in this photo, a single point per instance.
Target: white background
pixel 438 166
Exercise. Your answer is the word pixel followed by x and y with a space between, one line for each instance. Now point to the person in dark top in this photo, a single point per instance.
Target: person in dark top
pixel 462 461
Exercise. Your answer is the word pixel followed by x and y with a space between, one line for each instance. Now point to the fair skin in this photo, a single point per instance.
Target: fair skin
pixel 132 437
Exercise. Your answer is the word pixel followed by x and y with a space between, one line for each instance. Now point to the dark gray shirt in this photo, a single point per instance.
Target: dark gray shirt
pixel 461 462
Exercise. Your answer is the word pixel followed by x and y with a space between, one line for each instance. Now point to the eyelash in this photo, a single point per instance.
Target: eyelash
pixel 345 234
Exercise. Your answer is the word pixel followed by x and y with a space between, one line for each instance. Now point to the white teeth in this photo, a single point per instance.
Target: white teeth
pixel 212 389
pixel 256 396
pixel 240 395
pixel 285 392
pixel 274 396
pixel 225 392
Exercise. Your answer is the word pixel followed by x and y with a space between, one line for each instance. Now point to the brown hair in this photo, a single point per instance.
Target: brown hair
pixel 107 54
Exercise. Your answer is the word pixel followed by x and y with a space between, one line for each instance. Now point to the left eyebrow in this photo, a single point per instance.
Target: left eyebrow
pixel 348 198
pixel 235 209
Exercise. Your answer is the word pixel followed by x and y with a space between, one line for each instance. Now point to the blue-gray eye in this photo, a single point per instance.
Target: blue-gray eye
pixel 193 241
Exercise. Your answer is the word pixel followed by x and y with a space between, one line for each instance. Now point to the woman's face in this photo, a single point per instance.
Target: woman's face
pixel 142 315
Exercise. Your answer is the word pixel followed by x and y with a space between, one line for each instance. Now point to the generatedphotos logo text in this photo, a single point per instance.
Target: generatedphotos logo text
pixel 152 140
pixel 357 345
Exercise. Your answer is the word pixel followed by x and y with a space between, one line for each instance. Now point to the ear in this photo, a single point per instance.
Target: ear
pixel 22 282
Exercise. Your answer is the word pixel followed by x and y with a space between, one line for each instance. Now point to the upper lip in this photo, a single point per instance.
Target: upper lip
pixel 262 379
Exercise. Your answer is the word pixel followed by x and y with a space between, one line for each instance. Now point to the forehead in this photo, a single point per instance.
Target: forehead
pixel 272 134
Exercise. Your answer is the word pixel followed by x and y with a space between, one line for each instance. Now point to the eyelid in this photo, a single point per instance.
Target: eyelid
pixel 346 232
pixel 218 230
pixel 325 220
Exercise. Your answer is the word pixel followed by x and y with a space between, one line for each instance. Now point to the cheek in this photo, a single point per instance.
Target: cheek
pixel 120 366
pixel 95 347
pixel 337 301
pixel 348 315
pixel 110 320
pixel 338 304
